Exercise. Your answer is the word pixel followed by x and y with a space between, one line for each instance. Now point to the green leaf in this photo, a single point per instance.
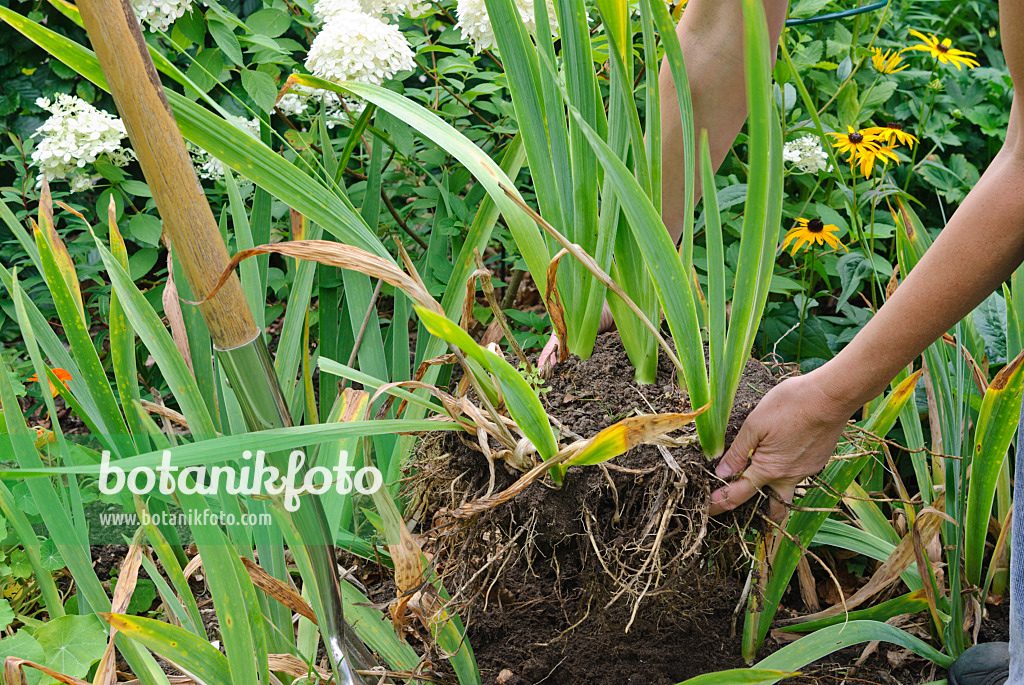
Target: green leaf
pixel 996 427
pixel 142 597
pixel 192 654
pixel 828 640
pixel 146 229
pixel 260 87
pixel 269 22
pixel 206 68
pixel 521 400
pixel 6 614
pixel 740 676
pixel 910 603
pixel 72 643
pixel 226 40
pixel 23 646
pixel 50 556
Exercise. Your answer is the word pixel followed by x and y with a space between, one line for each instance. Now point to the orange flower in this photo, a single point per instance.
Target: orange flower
pixel 63 376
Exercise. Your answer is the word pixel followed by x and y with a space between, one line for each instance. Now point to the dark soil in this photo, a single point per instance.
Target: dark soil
pixel 552 579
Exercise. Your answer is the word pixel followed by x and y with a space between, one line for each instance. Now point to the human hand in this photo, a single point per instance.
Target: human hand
pixel 792 433
pixel 549 355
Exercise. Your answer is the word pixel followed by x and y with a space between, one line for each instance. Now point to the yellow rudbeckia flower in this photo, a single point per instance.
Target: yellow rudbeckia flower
pixel 867 159
pixel 854 143
pixel 888 62
pixel 892 133
pixel 810 231
pixel 943 50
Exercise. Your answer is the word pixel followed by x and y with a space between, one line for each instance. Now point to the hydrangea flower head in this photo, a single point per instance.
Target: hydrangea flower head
pixel 806 154
pixel 160 14
pixel 476 25
pixel 326 10
pixel 357 47
pixel 76 135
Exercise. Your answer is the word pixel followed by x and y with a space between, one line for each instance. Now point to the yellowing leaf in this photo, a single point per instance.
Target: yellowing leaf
pixel 628 433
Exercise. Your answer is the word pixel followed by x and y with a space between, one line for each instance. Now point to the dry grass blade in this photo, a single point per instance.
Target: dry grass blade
pixel 160 410
pixel 14 672
pixel 339 255
pixel 127 580
pixel 922 559
pixel 72 210
pixel 476 507
pixel 194 564
pixel 553 302
pixel 297 668
pixel 979 376
pixel 588 262
pixel 172 308
pixel 278 589
pixel 889 572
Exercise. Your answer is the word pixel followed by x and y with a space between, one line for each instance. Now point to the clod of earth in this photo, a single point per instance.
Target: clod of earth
pixel 612 575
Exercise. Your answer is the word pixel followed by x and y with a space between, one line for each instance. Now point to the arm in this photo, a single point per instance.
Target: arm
pixel 710 34
pixel 793 431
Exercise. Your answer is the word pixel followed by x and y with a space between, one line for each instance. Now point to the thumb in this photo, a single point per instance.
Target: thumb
pixel 739 452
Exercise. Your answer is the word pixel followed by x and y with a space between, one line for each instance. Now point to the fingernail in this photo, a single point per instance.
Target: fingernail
pixel 723 470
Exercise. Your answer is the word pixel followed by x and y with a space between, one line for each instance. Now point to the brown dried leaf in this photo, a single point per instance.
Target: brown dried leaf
pixel 278 589
pixel 339 255
pixel 14 672
pixel 127 580
pixel 172 308
pixel 297 668
pixel 553 302
pixel 160 410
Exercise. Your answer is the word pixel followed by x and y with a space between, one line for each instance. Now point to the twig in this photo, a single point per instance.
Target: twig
pixel 362 328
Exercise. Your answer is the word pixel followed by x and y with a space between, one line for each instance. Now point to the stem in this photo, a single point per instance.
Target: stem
pixel 926 111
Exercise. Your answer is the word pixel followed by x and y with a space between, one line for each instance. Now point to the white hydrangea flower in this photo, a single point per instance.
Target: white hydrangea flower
pixel 305 103
pixel 293 104
pixel 806 154
pixel 476 25
pixel 208 166
pixel 357 47
pixel 160 14
pixel 80 181
pixel 326 10
pixel 75 135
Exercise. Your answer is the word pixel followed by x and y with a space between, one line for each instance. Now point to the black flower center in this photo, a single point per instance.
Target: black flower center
pixel 816 225
pixel 895 125
pixel 941 48
pixel 856 139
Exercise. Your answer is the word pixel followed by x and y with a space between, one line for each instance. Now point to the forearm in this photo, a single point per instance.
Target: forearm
pixel 710 34
pixel 979 248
